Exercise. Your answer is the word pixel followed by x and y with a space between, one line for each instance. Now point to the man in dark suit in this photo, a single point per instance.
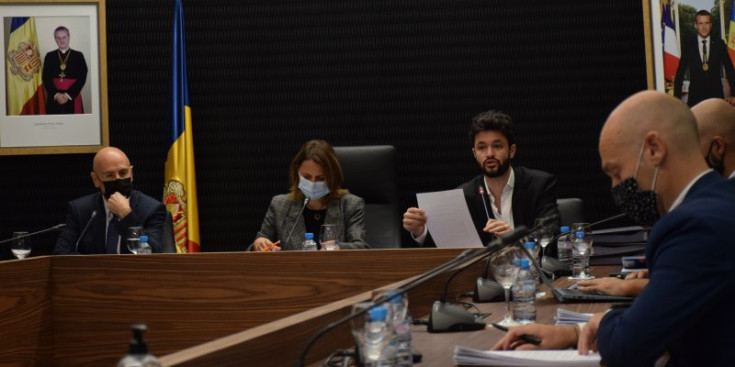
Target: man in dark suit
pixel 650 150
pixel 110 212
pixel 705 57
pixel 716 123
pixel 503 197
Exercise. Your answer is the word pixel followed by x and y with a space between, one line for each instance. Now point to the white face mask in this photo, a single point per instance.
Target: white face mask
pixel 313 190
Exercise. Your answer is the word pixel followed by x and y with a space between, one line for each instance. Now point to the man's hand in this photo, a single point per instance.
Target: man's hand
pixel 613 286
pixel 640 274
pixel 496 227
pixel 119 205
pixel 414 221
pixel 264 244
pixel 551 336
pixel 588 336
pixel 61 98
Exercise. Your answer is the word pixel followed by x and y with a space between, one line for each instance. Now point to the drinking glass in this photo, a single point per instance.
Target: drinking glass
pixel 505 271
pixel 543 237
pixel 328 237
pixel 133 239
pixel 581 250
pixel 21 247
pixel 369 355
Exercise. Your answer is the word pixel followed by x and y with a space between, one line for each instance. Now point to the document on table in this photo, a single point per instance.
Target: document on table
pixel 448 219
pixel 568 317
pixel 524 358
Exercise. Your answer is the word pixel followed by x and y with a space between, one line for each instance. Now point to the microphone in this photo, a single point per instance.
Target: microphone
pixel 481 191
pixel 553 265
pixel 487 290
pixel 446 317
pixel 306 201
pixel 84 231
pixel 50 229
pixel 493 247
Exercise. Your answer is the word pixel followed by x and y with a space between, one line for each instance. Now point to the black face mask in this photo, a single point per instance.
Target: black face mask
pixel 123 185
pixel 715 162
pixel 640 206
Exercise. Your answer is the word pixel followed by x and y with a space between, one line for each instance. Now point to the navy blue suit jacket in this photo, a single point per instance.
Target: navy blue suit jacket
pixel 146 212
pixel 686 308
pixel 534 196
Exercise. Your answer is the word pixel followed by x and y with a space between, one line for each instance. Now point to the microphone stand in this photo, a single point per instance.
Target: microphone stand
pixel 459 260
pixel 551 264
pixel 54 228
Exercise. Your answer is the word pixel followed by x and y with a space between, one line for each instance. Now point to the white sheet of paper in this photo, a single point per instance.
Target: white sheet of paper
pixel 448 219
pixel 524 358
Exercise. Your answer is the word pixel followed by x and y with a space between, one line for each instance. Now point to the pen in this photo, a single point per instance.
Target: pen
pixel 526 338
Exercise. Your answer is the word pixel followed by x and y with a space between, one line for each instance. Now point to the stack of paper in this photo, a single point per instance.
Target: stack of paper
pixel 566 317
pixel 546 358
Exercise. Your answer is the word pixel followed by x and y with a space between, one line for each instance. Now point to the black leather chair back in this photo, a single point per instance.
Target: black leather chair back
pixel 370 173
pixel 571 210
pixel 168 243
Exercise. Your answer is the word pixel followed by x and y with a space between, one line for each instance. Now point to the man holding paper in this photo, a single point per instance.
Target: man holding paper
pixel 501 198
pixel 649 147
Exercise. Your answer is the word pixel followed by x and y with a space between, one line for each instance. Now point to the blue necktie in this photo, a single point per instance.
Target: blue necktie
pixel 112 235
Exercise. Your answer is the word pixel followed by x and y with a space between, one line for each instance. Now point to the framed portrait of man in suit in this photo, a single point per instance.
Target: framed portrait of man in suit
pixel 54 85
pixel 690 48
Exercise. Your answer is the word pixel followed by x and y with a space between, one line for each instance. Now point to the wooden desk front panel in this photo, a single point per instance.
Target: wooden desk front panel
pixel 26 317
pixel 189 299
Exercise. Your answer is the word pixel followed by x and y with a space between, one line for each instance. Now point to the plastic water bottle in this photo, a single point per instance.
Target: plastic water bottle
pixel 564 246
pixel 533 249
pixel 524 295
pixel 376 332
pixel 144 247
pixel 138 351
pixel 581 255
pixel 399 350
pixel 309 244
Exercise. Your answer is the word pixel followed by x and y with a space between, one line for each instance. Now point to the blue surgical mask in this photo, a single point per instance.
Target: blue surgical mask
pixel 313 190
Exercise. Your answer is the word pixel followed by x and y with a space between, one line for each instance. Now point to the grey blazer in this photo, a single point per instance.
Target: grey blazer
pixel 348 213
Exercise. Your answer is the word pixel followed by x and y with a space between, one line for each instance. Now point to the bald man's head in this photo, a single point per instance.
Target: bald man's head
pixel 716 122
pixel 647 133
pixel 111 171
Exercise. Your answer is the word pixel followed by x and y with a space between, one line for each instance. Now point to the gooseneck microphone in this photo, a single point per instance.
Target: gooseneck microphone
pixel 298 217
pixel 481 191
pixel 84 231
pixel 465 256
pixel 551 264
pixel 50 229
pixel 446 317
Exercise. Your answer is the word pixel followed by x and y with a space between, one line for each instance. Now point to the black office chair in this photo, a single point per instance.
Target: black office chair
pixel 370 173
pixel 168 242
pixel 571 210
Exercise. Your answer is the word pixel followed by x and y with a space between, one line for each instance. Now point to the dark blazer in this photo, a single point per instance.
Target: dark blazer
pixel 146 212
pixel 686 309
pixel 348 213
pixel 703 84
pixel 534 196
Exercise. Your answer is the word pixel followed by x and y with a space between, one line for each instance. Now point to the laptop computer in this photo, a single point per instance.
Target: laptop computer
pixel 572 294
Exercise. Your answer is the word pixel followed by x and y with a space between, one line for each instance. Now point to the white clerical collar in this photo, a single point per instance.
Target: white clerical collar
pixel 684 192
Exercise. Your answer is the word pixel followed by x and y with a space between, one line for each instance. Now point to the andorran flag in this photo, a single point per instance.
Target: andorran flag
pixel 179 193
pixel 23 66
pixel 731 37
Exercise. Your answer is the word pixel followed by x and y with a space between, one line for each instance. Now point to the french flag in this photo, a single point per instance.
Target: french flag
pixel 671 44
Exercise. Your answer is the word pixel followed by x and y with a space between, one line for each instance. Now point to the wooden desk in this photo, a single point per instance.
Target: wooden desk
pixel 76 310
pixel 438 348
pixel 280 343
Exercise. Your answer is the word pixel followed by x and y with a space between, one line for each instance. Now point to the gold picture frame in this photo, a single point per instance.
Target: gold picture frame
pixel 27 128
pixel 680 16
